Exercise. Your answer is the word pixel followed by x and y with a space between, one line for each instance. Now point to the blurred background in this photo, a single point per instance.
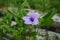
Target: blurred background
pixel 40 5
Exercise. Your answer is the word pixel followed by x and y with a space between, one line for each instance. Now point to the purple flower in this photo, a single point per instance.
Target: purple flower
pixel 31 18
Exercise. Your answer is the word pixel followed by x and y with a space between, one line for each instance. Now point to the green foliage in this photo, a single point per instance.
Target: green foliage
pixel 47 19
pixel 19 31
pixel 42 5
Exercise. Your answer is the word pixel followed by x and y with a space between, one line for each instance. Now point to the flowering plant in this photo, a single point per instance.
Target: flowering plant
pixel 21 24
pixel 32 18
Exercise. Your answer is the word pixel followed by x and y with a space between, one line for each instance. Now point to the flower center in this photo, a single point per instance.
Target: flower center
pixel 31 19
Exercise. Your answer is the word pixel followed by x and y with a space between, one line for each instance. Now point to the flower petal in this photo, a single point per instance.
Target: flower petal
pixel 34 14
pixel 25 18
pixel 28 22
pixel 35 22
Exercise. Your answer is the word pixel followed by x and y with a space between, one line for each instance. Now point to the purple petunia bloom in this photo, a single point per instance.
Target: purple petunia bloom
pixel 31 18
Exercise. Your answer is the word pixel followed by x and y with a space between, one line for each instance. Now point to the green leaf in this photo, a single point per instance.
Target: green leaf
pixel 47 19
pixel 15 32
pixel 47 22
pixel 50 14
